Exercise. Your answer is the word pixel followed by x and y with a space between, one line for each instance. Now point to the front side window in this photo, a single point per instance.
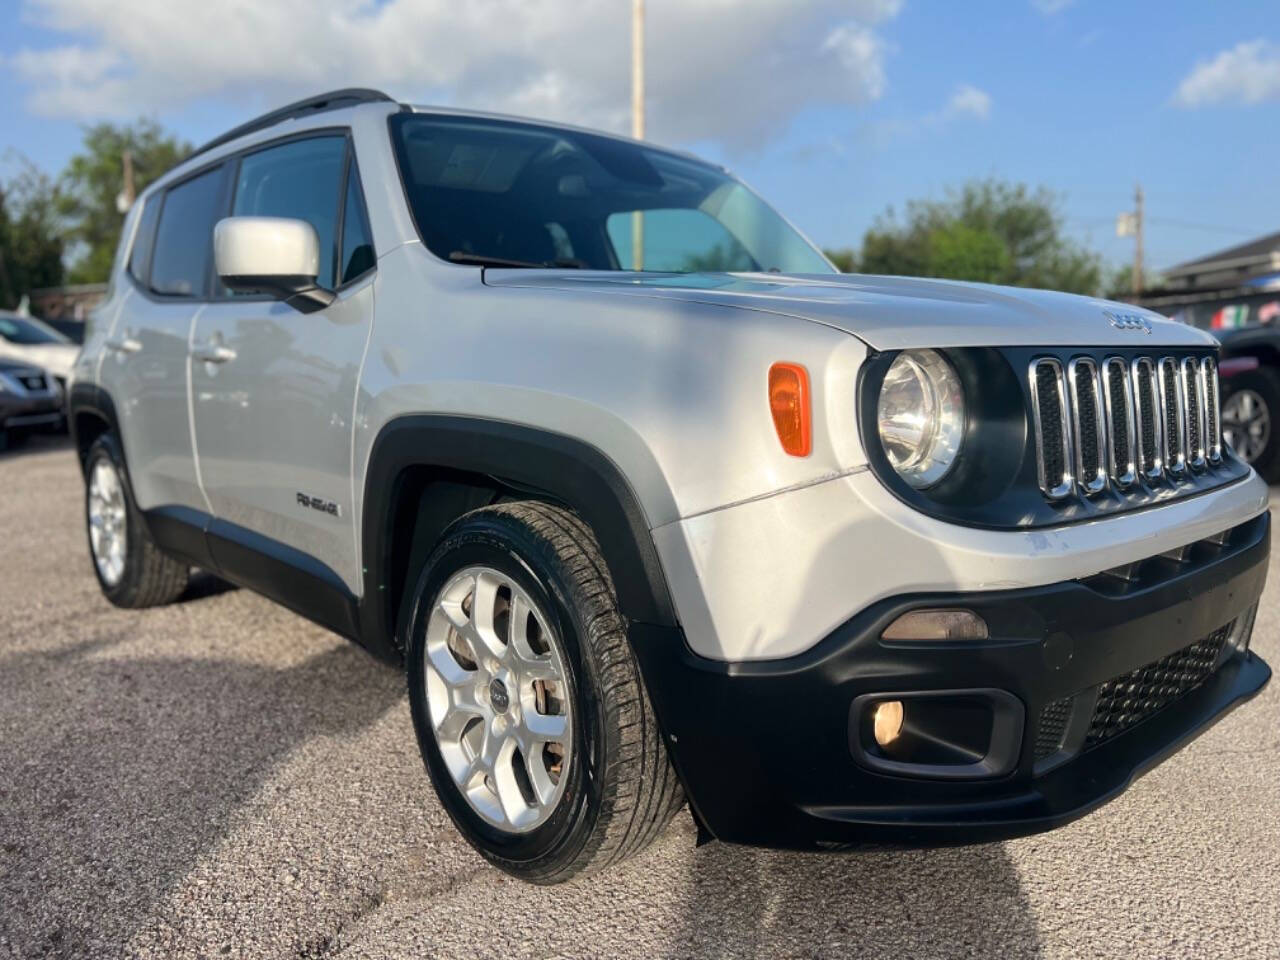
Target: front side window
pixel 184 239
pixel 300 180
pixel 494 191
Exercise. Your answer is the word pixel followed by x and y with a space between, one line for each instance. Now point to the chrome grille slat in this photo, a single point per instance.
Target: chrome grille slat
pixel 1212 409
pixel 1052 425
pixel 1193 411
pixel 1118 395
pixel 1173 415
pixel 1146 393
pixel 1090 425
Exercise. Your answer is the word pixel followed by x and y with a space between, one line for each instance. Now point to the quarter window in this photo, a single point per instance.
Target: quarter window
pixel 357 244
pixel 144 239
pixel 301 180
pixel 184 239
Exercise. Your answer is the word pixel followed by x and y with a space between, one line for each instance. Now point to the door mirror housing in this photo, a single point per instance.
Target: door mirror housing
pixel 277 256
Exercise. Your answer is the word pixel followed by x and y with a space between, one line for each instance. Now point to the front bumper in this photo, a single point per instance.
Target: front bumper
pixel 765 748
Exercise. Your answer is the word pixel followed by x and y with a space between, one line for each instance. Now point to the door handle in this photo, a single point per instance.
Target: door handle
pixel 124 345
pixel 214 353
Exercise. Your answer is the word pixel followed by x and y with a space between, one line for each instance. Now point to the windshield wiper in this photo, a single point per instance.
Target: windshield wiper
pixel 481 260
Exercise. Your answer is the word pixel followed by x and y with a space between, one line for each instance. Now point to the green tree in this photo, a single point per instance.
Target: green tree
pixel 988 230
pixel 94 179
pixel 845 259
pixel 31 243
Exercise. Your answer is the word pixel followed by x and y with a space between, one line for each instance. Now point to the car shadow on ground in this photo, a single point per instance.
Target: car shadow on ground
pixel 120 774
pixel 925 903
pixel 11 448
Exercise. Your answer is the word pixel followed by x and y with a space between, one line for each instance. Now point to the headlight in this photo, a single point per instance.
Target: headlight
pixel 920 415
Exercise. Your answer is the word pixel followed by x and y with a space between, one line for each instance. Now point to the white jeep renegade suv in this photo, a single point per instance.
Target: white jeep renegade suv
pixel 653 503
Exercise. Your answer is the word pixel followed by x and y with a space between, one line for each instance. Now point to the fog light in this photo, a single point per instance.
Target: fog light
pixel 937 625
pixel 886 721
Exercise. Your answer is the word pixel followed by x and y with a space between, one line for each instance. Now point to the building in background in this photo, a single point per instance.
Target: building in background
pixel 66 308
pixel 1236 287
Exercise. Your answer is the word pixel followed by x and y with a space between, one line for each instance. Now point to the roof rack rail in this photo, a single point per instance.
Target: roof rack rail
pixel 333 100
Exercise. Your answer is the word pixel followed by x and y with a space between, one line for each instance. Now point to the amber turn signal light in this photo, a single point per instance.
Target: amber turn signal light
pixel 789 403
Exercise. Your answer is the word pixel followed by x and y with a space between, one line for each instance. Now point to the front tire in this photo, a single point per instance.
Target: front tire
pixel 132 571
pixel 527 701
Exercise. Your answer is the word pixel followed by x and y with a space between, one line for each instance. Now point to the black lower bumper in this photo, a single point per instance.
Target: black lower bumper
pixel 764 748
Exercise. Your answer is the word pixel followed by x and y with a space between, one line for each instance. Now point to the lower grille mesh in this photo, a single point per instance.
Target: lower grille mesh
pixel 1131 698
pixel 1052 728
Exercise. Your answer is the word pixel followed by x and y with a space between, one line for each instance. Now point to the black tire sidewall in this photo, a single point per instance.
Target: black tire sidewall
pixel 107 448
pixel 1265 382
pixel 502 543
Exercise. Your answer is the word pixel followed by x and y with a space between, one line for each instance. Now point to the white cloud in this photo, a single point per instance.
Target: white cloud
pixel 968 100
pixel 1247 73
pixel 1050 7
pixel 733 71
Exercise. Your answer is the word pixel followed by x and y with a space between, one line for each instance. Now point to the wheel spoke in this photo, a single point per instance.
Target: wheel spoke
pixel 483 610
pixel 548 727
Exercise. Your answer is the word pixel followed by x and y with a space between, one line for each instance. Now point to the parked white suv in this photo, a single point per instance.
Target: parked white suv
pixel 656 505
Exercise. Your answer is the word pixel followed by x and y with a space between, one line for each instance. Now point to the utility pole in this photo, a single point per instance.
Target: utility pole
pixel 637 119
pixel 1137 237
pixel 127 194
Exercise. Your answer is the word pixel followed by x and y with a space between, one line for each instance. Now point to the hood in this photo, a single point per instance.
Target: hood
pixel 57 358
pixel 892 313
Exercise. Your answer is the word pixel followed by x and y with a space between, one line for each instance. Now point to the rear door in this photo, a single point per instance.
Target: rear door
pixel 144 367
pixel 273 390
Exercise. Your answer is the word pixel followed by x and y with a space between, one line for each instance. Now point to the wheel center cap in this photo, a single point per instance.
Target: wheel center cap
pixel 498 696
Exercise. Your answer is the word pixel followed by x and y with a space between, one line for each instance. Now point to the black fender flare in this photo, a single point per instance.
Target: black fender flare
pixel 91 398
pixel 560 467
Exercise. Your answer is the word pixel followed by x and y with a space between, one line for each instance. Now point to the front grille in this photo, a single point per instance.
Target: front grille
pixel 1052 727
pixel 1115 421
pixel 1131 698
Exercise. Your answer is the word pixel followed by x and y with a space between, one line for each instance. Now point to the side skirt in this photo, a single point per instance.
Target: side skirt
pixel 273 569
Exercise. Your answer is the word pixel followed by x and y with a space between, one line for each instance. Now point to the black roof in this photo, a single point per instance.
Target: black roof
pixel 333 100
pixel 1254 248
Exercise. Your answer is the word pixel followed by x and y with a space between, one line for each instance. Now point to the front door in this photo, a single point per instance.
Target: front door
pixel 273 390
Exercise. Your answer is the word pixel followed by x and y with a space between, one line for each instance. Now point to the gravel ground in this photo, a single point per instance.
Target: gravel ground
pixel 222 778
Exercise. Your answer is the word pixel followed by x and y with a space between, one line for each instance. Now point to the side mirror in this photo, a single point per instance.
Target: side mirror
pixel 271 255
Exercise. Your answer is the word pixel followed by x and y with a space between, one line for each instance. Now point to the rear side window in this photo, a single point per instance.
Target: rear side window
pixel 302 180
pixel 144 240
pixel 184 240
pixel 357 243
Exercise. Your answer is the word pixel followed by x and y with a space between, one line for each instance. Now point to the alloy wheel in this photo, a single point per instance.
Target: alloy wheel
pixel 499 698
pixel 108 522
pixel 1246 424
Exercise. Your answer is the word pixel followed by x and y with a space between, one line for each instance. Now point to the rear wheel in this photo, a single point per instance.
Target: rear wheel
pixel 132 571
pixel 528 705
pixel 1250 404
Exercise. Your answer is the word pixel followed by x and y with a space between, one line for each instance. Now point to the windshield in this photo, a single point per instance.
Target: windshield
pixel 28 332
pixel 498 192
